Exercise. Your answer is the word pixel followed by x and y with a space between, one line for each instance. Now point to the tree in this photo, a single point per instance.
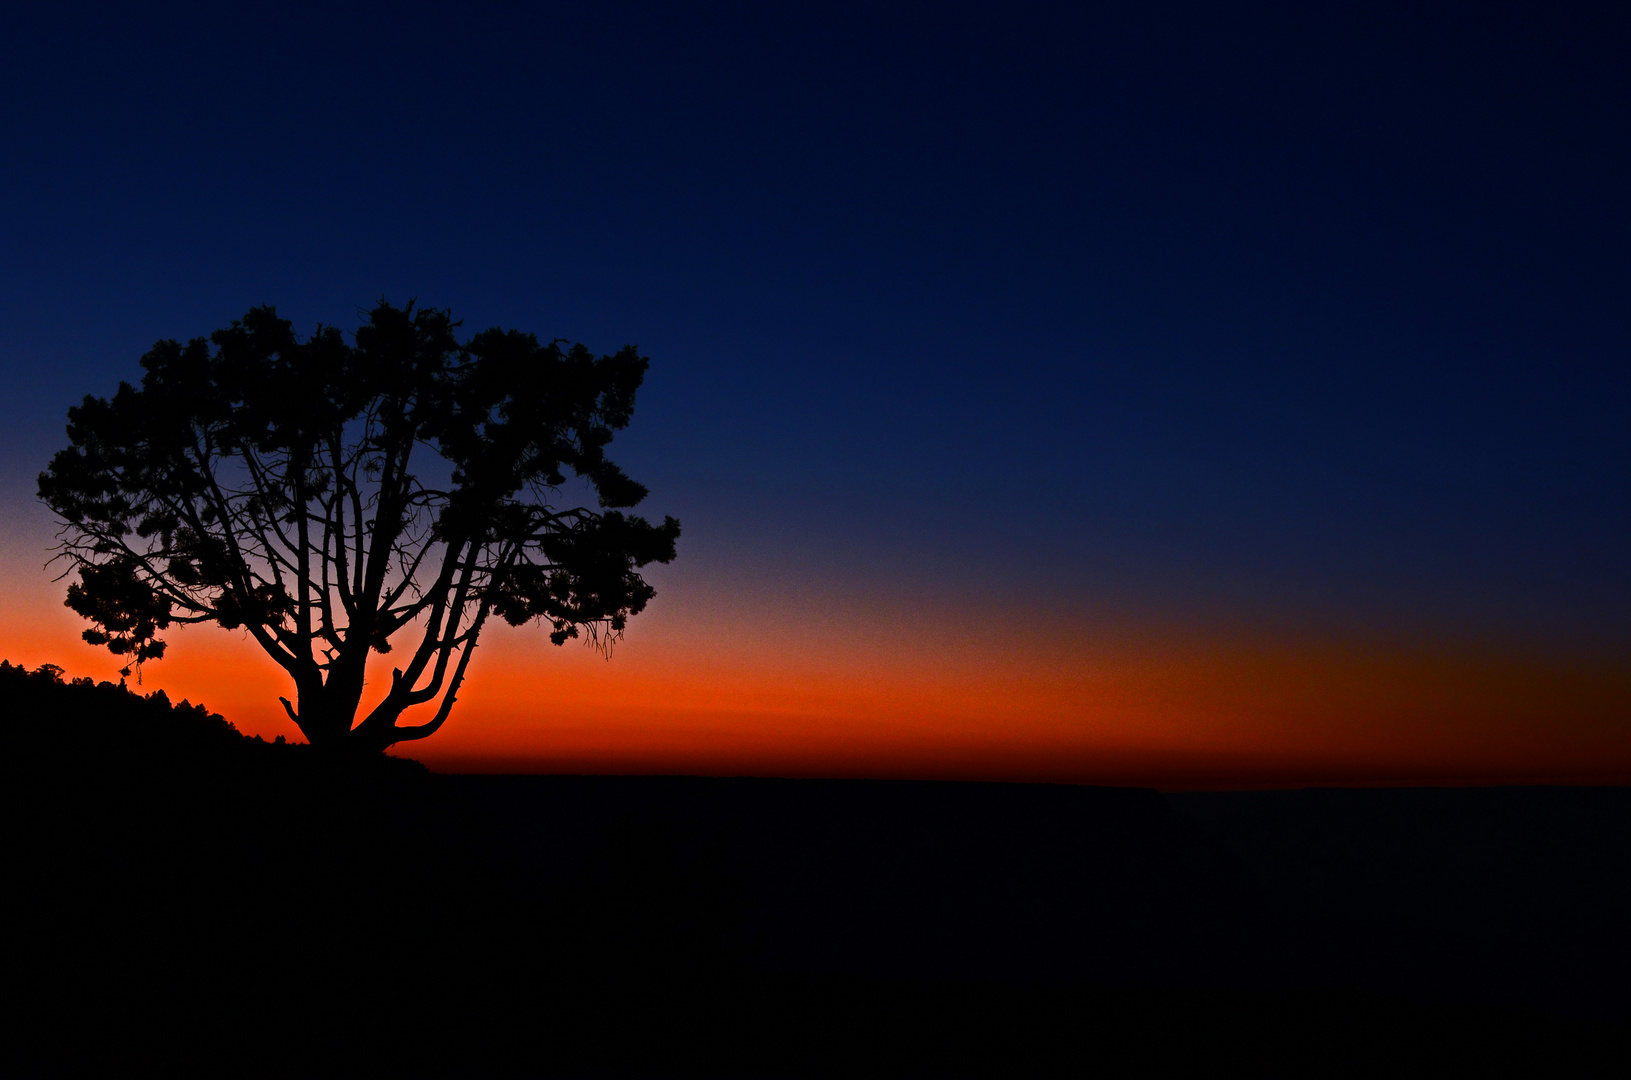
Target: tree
pixel 331 497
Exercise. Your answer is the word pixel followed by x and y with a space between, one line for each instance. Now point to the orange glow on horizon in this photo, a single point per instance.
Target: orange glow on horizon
pixel 936 700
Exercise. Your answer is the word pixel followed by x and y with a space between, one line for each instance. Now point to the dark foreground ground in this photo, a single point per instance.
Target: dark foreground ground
pixel 182 898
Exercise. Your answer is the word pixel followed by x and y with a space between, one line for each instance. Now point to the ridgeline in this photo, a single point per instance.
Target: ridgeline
pixel 191 899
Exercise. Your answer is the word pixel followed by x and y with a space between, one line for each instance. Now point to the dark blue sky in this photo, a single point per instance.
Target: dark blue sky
pixel 1263 316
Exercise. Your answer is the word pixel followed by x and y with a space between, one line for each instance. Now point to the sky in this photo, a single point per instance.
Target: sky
pixel 1193 395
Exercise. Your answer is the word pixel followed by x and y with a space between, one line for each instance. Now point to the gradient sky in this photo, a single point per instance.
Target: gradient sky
pixel 1188 394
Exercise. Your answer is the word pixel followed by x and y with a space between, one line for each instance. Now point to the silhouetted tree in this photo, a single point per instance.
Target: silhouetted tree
pixel 327 496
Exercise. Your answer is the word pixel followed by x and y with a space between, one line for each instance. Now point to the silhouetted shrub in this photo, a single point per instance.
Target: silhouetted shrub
pixel 46 713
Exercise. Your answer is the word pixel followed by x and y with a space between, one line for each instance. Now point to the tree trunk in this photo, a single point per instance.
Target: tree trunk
pixel 361 742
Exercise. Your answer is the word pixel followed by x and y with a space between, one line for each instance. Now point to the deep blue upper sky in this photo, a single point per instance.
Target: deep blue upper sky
pixel 1259 315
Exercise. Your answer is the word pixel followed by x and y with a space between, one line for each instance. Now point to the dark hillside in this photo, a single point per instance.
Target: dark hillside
pixel 1037 883
pixel 1514 895
pixel 187 898
pixel 188 895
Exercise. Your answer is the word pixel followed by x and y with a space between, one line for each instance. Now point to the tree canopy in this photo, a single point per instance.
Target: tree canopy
pixel 338 498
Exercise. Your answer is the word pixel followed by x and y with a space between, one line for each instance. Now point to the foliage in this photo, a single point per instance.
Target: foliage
pixel 44 691
pixel 328 497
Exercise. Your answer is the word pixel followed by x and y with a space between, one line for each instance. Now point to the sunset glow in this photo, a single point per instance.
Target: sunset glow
pixel 1097 395
pixel 1062 703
